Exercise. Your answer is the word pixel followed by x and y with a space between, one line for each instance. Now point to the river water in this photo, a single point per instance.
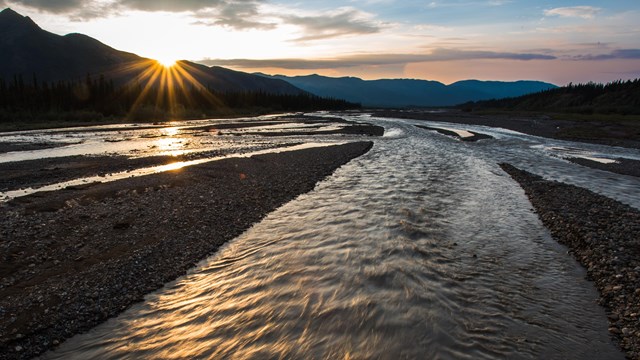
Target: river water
pixel 422 248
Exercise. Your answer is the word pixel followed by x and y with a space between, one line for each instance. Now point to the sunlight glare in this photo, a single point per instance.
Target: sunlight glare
pixel 167 62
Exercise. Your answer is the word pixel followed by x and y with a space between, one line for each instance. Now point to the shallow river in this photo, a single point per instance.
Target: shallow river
pixel 422 248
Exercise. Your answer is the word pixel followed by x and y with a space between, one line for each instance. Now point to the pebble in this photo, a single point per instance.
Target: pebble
pixel 597 230
pixel 123 277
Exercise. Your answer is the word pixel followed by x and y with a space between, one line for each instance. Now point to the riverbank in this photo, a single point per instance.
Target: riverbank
pixel 621 166
pixel 612 132
pixel 474 136
pixel 602 234
pixel 74 258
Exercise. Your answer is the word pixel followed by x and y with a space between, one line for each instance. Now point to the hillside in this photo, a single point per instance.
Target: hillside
pixel 27 51
pixel 620 97
pixel 392 93
pixel 51 80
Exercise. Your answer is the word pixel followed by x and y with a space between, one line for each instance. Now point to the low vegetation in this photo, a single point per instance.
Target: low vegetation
pixel 615 98
pixel 97 100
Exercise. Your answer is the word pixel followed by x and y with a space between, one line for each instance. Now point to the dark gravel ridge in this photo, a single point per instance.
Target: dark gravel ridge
pixel 71 259
pixel 623 166
pixel 604 236
pixel 40 172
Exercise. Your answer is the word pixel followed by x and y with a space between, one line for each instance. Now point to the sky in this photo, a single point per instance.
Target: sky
pixel 556 41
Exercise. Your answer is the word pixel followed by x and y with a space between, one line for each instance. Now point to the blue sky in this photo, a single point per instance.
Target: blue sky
pixel 555 41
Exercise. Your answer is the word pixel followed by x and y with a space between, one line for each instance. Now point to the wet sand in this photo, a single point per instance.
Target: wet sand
pixel 602 234
pixel 71 259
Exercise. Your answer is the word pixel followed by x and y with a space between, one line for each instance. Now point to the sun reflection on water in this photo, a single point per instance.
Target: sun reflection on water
pixel 169 144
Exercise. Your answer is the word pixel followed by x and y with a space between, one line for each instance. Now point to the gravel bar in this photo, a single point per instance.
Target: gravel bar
pixel 71 259
pixel 622 166
pixel 475 137
pixel 604 236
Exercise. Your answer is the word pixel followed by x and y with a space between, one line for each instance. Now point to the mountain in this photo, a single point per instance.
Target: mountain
pixel 618 97
pixel 410 92
pixel 499 89
pixel 26 50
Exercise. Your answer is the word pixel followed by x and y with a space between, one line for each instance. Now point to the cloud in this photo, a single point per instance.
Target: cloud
pixel 584 12
pixel 54 6
pixel 499 2
pixel 373 59
pixel 346 21
pixel 624 54
pixel 174 5
pixel 239 15
pixel 76 10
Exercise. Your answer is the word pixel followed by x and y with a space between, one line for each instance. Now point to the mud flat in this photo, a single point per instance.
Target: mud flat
pixel 602 234
pixel 71 259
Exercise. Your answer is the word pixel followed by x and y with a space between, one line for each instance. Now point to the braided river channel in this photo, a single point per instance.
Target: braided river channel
pixel 423 248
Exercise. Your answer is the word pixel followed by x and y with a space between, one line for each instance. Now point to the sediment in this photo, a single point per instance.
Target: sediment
pixel 476 135
pixel 622 166
pixel 603 235
pixel 40 172
pixel 612 133
pixel 71 259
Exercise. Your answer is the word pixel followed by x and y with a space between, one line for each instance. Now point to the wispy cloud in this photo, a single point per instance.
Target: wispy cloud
pixel 75 10
pixel 240 15
pixel 374 59
pixel 54 6
pixel 625 54
pixel 176 6
pixel 499 2
pixel 584 12
pixel 345 21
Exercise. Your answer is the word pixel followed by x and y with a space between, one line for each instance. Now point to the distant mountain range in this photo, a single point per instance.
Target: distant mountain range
pixel 26 50
pixel 410 92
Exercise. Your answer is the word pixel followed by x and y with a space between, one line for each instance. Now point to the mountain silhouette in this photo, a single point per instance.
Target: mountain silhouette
pixel 27 51
pixel 410 92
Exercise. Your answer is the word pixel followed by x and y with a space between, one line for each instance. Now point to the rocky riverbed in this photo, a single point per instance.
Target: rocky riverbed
pixel 613 133
pixel 71 259
pixel 621 166
pixel 602 234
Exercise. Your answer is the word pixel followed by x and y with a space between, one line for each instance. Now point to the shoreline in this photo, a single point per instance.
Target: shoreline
pixel 601 234
pixel 594 132
pixel 94 251
pixel 475 135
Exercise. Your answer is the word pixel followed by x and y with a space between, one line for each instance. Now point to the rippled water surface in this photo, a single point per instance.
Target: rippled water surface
pixel 422 248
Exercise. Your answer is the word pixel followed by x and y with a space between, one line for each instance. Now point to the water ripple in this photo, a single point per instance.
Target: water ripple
pixel 421 248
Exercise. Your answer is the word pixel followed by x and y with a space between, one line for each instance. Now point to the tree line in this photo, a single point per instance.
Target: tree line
pixel 31 99
pixel 617 97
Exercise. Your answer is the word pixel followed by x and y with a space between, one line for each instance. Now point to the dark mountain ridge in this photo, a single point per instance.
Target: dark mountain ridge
pixel 410 92
pixel 28 51
pixel 618 97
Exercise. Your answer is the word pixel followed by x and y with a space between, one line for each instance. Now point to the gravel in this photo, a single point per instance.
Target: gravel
pixel 603 235
pixel 71 259
pixel 622 166
pixel 476 135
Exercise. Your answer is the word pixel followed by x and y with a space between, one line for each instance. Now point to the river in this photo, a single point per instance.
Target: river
pixel 422 248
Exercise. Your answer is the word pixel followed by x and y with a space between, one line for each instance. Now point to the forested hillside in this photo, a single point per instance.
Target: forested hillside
pixel 97 98
pixel 618 97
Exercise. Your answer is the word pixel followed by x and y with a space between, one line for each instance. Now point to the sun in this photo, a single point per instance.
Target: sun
pixel 167 61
